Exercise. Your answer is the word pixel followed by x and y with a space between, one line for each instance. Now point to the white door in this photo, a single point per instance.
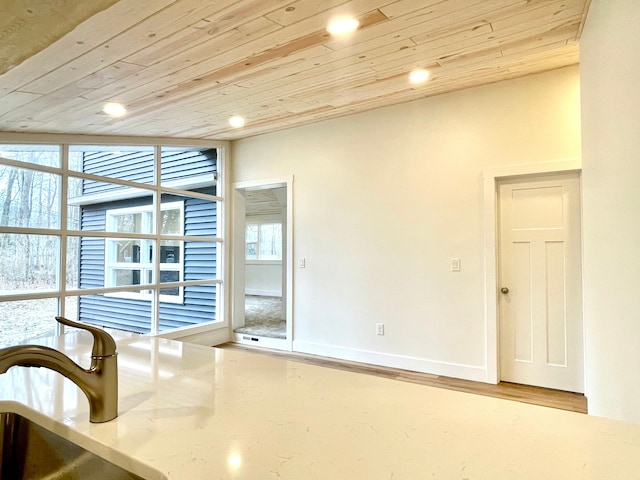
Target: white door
pixel 540 285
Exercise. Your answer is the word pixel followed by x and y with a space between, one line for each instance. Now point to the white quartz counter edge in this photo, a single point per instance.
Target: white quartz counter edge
pixel 197 413
pixel 87 442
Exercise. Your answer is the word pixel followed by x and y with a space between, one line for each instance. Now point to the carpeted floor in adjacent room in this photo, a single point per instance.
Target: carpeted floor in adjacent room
pixel 263 317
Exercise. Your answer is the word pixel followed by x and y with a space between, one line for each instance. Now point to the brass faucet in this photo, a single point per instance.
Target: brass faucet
pixel 99 383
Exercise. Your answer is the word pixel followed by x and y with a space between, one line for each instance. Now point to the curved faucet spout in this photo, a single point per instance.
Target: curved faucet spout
pixel 99 383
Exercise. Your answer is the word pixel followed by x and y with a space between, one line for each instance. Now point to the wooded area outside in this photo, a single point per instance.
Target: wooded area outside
pixel 30 198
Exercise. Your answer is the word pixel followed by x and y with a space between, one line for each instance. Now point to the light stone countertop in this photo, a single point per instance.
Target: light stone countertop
pixel 197 413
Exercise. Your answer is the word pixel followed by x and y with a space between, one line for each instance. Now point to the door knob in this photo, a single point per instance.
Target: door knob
pixel 504 290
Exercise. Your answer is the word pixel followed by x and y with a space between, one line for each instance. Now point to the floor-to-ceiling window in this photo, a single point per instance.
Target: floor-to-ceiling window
pixel 119 236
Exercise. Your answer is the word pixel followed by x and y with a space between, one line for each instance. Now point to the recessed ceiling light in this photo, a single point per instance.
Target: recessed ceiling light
pixel 114 109
pixel 343 26
pixel 236 121
pixel 418 76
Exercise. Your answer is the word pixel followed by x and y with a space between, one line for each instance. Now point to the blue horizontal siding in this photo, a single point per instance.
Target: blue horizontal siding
pixel 199 302
pixel 200 216
pixel 133 166
pixel 130 315
pixel 202 308
pixel 139 167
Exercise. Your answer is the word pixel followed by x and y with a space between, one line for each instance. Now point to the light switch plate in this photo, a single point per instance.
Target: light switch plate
pixel 455 264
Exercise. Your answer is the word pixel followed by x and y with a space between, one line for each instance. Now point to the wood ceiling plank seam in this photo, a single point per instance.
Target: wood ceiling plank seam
pixel 279 37
pixel 120 46
pixel 58 110
pixel 156 77
pixel 540 16
pixel 219 103
pixel 499 58
pixel 498 43
pixel 154 80
pixel 199 42
pixel 300 43
pixel 205 91
pixel 352 8
pixel 313 74
pixel 222 22
pixel 483 37
pixel 420 22
pixel 246 9
pixel 15 100
pixel 402 8
pixel 538 13
pixel 200 69
pixel 553 36
pixel 339 60
pixel 384 32
pixel 536 58
pixel 27 110
pixel 446 12
pixel 322 82
pixel 513 44
pixel 344 84
pixel 317 67
pixel 383 88
pixel 513 61
pixel 473 23
pixel 324 109
pixel 543 45
pixel 93 95
pixel 282 67
pixel 145 120
pixel 106 76
pixel 84 38
pixel 301 10
pixel 426 53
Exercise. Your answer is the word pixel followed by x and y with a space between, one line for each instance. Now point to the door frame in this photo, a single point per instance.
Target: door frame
pixel 490 178
pixel 238 261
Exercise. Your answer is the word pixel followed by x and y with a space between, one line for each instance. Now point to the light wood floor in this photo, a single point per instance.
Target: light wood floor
pixel 510 391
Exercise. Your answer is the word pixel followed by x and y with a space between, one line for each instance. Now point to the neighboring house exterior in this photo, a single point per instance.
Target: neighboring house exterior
pixel 127 261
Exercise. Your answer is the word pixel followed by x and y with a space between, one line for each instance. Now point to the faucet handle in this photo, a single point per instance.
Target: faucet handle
pixel 103 344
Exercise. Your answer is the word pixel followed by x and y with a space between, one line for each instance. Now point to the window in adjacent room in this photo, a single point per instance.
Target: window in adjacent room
pixel 130 261
pixel 263 241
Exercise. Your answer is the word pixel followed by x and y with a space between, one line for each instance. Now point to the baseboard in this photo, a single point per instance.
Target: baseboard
pixel 466 372
pixel 263 342
pixel 208 337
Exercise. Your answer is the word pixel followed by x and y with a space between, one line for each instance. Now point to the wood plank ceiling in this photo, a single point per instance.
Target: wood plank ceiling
pixel 183 67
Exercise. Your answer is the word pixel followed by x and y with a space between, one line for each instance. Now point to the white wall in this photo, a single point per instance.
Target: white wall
pixel 610 70
pixel 263 279
pixel 383 200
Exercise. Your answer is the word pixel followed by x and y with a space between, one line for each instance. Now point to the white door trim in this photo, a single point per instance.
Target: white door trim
pixel 490 225
pixel 238 291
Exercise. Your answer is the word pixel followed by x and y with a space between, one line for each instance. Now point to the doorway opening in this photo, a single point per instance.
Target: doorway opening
pixel 262 264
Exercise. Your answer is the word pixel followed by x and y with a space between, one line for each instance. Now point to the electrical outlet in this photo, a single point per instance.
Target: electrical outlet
pixel 379 328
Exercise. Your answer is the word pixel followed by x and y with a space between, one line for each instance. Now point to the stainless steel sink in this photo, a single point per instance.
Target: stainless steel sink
pixel 30 452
